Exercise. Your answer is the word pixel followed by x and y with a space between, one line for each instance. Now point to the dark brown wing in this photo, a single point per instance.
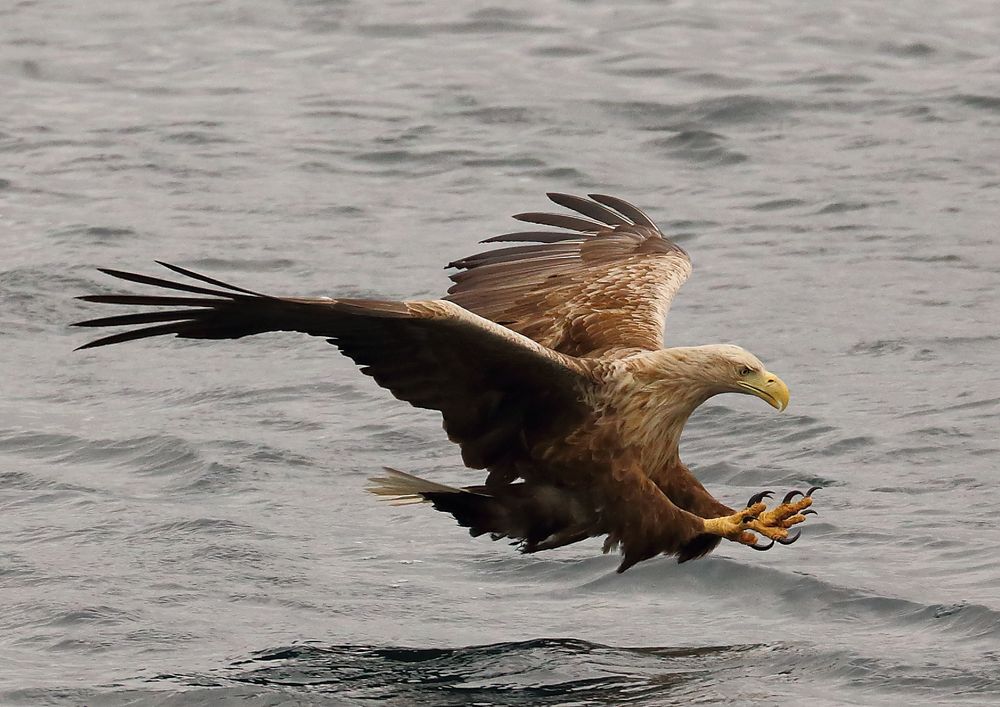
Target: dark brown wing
pixel 500 393
pixel 601 286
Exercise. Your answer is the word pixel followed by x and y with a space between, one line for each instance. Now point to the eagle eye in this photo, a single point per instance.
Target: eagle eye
pixel 746 371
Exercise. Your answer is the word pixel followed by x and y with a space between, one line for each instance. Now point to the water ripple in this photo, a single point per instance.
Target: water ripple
pixel 169 505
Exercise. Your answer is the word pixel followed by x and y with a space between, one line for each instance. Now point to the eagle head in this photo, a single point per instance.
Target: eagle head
pixel 732 369
pixel 686 376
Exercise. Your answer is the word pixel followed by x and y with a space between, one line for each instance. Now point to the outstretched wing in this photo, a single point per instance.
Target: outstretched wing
pixel 500 393
pixel 601 286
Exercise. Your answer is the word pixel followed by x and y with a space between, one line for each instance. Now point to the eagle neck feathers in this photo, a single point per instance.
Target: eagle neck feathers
pixel 655 393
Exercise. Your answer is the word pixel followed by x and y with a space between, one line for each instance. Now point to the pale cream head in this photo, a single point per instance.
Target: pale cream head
pixel 719 368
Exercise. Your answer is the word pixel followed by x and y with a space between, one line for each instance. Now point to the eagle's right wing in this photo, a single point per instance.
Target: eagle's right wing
pixel 602 286
pixel 500 393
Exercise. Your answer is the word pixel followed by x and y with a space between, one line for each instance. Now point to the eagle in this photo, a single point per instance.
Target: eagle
pixel 546 361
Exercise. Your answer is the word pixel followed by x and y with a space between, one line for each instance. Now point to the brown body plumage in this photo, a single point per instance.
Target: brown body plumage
pixel 546 363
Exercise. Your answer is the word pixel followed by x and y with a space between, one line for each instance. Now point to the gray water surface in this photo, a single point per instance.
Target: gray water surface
pixel 186 522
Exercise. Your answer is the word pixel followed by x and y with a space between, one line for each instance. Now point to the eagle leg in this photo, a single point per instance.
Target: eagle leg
pixel 774 523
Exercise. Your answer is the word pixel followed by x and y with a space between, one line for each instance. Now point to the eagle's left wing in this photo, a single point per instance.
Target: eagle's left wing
pixel 500 393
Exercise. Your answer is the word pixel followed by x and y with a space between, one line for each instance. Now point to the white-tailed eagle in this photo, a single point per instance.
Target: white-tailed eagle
pixel 547 363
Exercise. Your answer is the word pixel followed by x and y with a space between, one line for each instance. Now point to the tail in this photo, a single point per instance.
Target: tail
pixel 536 517
pixel 402 489
pixel 479 512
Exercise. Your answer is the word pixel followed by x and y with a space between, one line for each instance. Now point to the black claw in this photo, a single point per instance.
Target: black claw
pixel 790 495
pixel 762 548
pixel 749 519
pixel 789 541
pixel 813 490
pixel 758 497
pixel 808 512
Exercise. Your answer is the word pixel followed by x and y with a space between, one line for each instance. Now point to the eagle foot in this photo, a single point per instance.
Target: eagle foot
pixel 774 523
pixel 735 526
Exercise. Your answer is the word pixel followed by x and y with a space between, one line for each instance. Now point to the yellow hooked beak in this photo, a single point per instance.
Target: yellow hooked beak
pixel 766 386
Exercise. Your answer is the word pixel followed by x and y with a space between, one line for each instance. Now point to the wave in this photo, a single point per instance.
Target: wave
pixel 559 671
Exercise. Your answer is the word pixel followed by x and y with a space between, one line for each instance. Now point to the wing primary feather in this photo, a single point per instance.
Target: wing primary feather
pixel 571 223
pixel 147 332
pixel 151 300
pixel 169 284
pixel 143 318
pixel 502 251
pixel 589 208
pixel 523 252
pixel 637 215
pixel 532 237
pixel 506 274
pixel 210 280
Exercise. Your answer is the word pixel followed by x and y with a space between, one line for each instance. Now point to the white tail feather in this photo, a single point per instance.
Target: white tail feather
pixel 402 489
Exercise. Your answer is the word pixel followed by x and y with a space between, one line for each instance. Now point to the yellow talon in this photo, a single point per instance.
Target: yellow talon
pixel 774 524
pixel 783 511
